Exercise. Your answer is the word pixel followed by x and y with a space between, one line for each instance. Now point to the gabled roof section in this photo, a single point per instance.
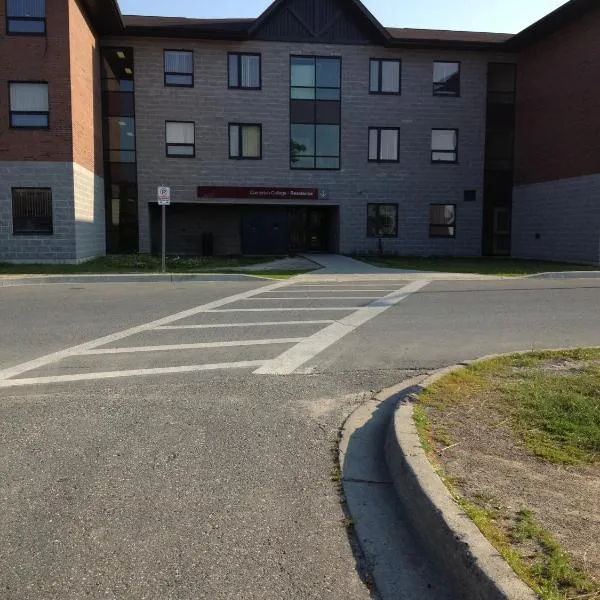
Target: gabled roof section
pixel 562 17
pixel 319 21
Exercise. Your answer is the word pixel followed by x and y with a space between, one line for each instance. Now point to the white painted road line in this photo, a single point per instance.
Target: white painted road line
pixel 8 383
pixel 306 350
pixel 114 337
pixel 303 309
pixel 317 298
pixel 254 324
pixel 327 290
pixel 198 346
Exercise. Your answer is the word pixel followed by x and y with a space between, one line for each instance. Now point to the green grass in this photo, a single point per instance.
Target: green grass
pixel 145 263
pixel 532 552
pixel 551 400
pixel 482 266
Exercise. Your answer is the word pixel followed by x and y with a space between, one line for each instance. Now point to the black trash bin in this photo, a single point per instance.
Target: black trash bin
pixel 208 244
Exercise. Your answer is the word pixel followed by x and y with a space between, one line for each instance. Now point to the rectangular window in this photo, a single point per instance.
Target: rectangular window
pixel 32 211
pixel 245 141
pixel 29 105
pixel 442 220
pixel 119 139
pixel 315 78
pixel 179 68
pixel 382 220
pixel 444 145
pixel 446 78
pixel 26 17
pixel 385 76
pixel 244 71
pixel 315 112
pixel 384 144
pixel 180 138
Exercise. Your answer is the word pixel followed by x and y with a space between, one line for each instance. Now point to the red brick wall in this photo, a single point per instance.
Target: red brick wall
pixel 558 105
pixel 38 58
pixel 85 92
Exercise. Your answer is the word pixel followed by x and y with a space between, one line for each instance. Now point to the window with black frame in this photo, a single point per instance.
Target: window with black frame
pixel 315 112
pixel 444 145
pixel 244 71
pixel 442 220
pixel 26 17
pixel 446 78
pixel 179 68
pixel 384 144
pixel 32 211
pixel 382 220
pixel 385 76
pixel 245 141
pixel 29 105
pixel 180 139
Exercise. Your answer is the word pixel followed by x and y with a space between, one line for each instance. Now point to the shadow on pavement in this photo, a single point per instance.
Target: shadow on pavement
pixel 389 557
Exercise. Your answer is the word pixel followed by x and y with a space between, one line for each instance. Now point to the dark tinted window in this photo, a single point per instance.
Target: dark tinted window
pixel 446 78
pixel 382 220
pixel 32 211
pixel 442 220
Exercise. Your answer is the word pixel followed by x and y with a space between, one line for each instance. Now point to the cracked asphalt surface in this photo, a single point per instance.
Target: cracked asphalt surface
pixel 218 484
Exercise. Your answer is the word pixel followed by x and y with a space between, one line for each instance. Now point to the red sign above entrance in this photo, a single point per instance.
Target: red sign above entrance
pixel 259 193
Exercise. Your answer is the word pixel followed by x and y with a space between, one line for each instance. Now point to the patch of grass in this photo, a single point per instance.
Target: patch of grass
pixel 142 263
pixel 551 400
pixel 424 429
pixel 529 549
pixel 483 266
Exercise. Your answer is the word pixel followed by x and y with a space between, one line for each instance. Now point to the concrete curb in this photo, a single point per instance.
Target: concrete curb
pixel 565 275
pixel 126 278
pixel 449 535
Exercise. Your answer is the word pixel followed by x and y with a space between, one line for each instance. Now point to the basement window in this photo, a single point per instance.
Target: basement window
pixel 32 211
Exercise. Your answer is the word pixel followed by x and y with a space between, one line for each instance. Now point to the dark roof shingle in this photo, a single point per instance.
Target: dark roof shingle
pixel 146 22
pixel 441 35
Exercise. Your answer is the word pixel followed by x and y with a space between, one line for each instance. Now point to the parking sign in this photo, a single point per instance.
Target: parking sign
pixel 164 196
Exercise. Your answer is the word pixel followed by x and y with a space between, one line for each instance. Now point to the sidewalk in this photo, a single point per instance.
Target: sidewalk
pixel 336 267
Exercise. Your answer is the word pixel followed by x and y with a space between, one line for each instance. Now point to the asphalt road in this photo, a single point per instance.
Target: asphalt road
pixel 180 482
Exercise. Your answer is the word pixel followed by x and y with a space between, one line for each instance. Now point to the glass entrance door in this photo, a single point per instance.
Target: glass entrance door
pixel 309 228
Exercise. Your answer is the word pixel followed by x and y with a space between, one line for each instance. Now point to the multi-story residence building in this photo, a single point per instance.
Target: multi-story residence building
pixel 310 128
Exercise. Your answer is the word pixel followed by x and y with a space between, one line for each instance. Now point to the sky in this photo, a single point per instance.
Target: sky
pixel 506 16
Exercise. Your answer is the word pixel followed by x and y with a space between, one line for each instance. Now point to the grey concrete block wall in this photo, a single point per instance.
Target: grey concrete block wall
pixel 558 220
pixel 90 227
pixel 414 183
pixel 77 213
pixel 58 247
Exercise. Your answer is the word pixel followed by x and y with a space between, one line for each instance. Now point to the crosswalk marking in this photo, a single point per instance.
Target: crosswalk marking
pixel 300 309
pixel 248 364
pixel 301 349
pixel 198 346
pixel 114 337
pixel 254 324
pixel 304 351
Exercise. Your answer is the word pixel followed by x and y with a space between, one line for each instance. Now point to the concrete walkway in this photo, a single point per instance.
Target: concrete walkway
pixel 336 267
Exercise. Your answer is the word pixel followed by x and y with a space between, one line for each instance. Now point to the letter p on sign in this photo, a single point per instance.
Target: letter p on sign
pixel 164 196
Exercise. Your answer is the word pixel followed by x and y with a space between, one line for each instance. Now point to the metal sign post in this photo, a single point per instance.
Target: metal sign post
pixel 164 200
